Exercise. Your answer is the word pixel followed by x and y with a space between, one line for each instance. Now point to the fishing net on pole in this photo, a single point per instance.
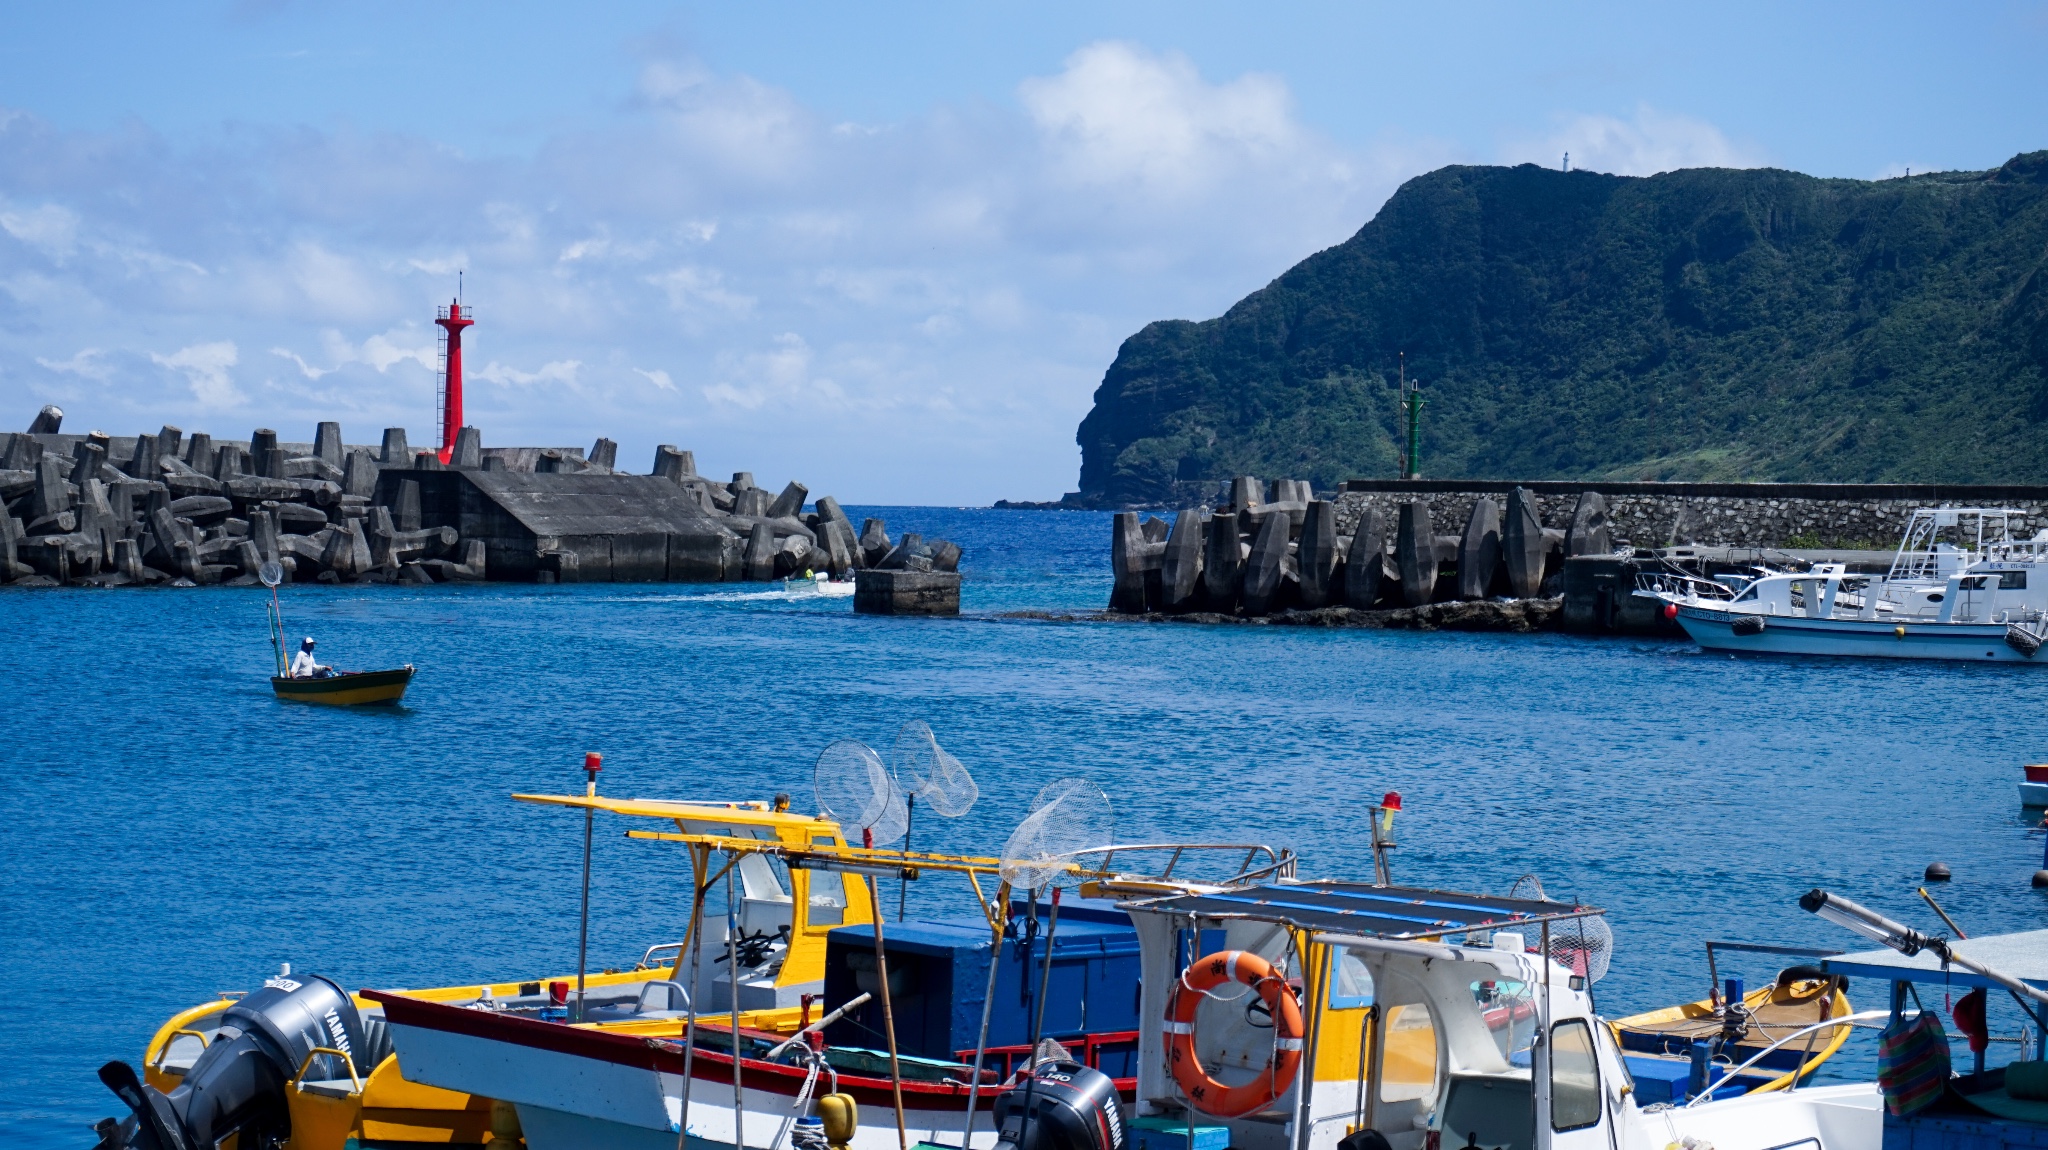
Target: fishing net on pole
pixel 854 790
pixel 929 773
pixel 1069 818
pixel 1583 946
pixel 1528 886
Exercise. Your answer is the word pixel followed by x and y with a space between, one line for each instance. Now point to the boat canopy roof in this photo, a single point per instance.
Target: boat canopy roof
pixel 754 814
pixel 2023 955
pixel 1365 910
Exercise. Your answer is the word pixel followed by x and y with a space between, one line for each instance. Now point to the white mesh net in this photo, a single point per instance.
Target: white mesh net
pixel 1069 818
pixel 1528 886
pixel 926 770
pixel 1583 946
pixel 854 790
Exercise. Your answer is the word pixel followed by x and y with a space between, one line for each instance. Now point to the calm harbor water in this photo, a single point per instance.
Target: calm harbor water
pixel 172 830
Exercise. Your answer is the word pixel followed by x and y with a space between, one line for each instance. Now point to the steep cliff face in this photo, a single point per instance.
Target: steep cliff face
pixel 1701 324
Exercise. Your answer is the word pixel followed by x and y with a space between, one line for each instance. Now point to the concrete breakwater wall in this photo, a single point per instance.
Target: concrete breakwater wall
pixel 1774 515
pixel 101 510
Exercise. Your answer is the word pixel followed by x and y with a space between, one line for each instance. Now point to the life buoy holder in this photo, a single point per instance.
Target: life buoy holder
pixel 1208 1095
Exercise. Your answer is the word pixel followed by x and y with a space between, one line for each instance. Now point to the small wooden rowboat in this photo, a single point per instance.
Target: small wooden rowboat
pixel 347 689
pixel 1775 1037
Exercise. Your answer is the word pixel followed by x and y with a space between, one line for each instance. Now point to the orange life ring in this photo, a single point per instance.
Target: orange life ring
pixel 1209 1095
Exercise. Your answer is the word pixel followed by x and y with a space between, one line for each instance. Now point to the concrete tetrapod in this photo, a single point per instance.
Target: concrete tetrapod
pixel 47 421
pixel 1263 570
pixel 1127 575
pixel 469 449
pixel 790 502
pixel 1479 551
pixel 1180 570
pixel 327 443
pixel 1415 553
pixel 1316 557
pixel 1246 493
pixel 874 542
pixel 1521 544
pixel 1588 532
pixel 759 563
pixel 1365 562
pixel 1223 562
pixel 395 453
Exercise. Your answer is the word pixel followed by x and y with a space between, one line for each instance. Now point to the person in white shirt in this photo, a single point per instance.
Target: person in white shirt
pixel 303 666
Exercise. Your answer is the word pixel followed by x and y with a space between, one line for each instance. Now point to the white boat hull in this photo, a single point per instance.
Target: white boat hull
pixel 2034 794
pixel 1868 638
pixel 579 1089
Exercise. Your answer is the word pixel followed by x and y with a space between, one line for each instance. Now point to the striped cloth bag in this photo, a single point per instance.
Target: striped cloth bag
pixel 1912 1062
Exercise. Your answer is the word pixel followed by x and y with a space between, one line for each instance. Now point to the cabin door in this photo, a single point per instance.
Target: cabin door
pixel 1571 1112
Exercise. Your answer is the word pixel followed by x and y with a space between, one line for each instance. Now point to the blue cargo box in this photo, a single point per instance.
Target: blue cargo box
pixel 938 976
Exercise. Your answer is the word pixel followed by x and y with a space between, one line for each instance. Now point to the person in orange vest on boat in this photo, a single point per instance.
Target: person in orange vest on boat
pixel 303 666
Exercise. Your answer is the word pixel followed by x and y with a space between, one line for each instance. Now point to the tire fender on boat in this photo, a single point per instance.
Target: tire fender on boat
pixel 1194 984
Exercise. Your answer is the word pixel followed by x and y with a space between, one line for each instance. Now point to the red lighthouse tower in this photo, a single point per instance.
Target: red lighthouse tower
pixel 452 319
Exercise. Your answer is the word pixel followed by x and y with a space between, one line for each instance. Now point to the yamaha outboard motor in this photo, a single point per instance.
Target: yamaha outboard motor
pixel 238 1083
pixel 1062 1106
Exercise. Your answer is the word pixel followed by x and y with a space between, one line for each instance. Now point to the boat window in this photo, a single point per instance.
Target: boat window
pixel 1574 1077
pixel 1509 1009
pixel 1408 1067
pixel 827 902
pixel 1351 984
pixel 1748 593
pixel 1973 583
pixel 2012 580
pixel 827 898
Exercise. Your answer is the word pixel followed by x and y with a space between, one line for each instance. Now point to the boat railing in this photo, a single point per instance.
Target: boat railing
pixel 647 960
pixel 1278 863
pixel 1664 584
pixel 1843 1020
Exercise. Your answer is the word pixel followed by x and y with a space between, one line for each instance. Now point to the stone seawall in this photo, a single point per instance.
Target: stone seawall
pixel 1778 515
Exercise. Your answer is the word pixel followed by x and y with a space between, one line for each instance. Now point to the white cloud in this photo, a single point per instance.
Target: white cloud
pixel 49 228
pixel 1121 115
pixel 658 378
pixel 381 352
pixel 205 367
pixel 1650 142
pixel 558 371
pixel 699 290
pixel 781 374
pixel 85 364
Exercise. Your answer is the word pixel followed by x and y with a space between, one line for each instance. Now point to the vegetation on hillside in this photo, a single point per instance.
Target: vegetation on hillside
pixel 1708 324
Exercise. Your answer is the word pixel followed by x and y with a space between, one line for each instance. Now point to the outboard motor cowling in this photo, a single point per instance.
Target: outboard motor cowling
pixel 238 1082
pixel 1063 1105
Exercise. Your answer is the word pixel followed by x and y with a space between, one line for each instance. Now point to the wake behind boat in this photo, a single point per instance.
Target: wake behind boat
pixel 1959 588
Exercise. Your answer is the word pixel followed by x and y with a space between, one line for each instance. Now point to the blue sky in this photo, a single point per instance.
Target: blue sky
pixel 884 248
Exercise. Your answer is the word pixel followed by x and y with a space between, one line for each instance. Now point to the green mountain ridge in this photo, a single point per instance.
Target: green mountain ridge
pixel 1705 324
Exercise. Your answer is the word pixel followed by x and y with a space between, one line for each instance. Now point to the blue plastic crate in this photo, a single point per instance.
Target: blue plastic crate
pixel 1159 1132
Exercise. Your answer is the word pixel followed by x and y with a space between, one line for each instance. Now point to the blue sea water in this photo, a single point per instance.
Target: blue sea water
pixel 171 830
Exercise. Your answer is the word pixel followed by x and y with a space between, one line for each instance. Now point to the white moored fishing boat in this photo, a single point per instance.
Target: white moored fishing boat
pixel 1959 588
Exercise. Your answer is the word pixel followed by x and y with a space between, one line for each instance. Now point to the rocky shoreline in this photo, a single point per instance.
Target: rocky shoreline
pixel 1517 616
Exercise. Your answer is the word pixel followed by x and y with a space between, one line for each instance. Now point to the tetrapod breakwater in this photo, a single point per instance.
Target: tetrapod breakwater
pixel 188 510
pixel 1518 555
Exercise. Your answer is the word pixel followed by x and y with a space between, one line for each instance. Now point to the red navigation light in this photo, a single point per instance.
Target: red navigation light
pixel 593 762
pixel 451 320
pixel 1392 801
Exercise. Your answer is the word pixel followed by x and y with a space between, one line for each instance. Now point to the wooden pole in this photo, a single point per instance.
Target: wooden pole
pixel 888 1013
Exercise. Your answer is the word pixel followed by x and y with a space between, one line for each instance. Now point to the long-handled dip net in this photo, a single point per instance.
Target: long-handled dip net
pixel 855 790
pixel 1584 946
pixel 925 770
pixel 1069 818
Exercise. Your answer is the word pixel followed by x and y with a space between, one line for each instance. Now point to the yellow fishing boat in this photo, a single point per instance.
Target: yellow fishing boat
pixel 1772 1036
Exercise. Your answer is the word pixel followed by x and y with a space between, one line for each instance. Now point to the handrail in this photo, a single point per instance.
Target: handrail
pixel 165 1051
pixel 298 1082
pixel 645 958
pixel 1839 1020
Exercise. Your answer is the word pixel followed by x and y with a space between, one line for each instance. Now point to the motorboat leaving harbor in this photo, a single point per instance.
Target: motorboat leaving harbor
pixel 1959 587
